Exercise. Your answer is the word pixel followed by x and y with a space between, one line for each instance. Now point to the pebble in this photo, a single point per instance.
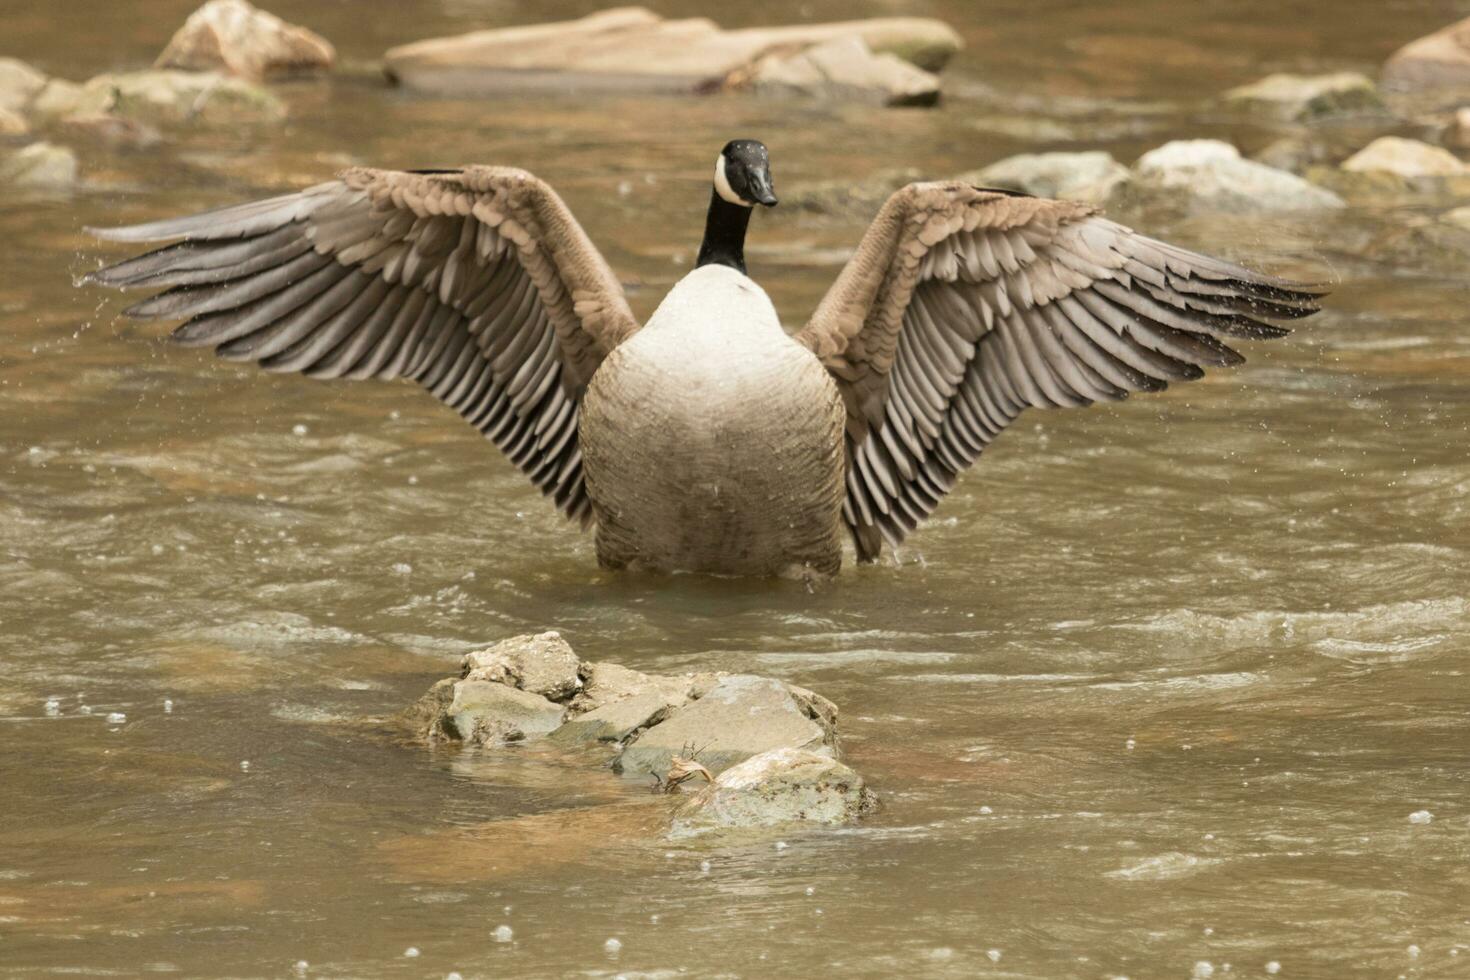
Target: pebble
pixel 1420 816
pixel 504 934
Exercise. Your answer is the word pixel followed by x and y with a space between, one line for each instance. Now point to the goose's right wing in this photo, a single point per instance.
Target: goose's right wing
pixel 476 283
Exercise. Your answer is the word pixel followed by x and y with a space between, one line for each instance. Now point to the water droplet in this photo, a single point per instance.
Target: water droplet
pixel 1209 930
pixel 116 717
pixel 244 765
pixel 298 429
pixel 168 706
pixel 810 890
pixel 53 706
pixel 993 955
pixel 1420 816
pixel 704 866
pixel 301 967
pixel 781 845
pixel 986 809
pixel 1131 744
pixel 504 934
pixel 653 918
pixel 613 946
pixel 411 952
pixel 1203 969
pixel 85 709
pixel 1413 952
pixel 1273 967
pixel 452 975
pixel 402 567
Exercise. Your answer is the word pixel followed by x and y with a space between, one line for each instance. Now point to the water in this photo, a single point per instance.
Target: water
pixel 1163 687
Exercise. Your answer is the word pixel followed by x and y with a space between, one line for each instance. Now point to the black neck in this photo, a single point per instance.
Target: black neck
pixel 724 234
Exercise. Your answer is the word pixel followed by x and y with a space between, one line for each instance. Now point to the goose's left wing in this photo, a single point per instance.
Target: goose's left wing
pixel 963 306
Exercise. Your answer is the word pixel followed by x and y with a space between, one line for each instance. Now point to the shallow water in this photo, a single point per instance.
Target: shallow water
pixel 1160 686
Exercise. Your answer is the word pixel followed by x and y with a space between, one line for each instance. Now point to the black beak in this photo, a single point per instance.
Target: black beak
pixel 760 188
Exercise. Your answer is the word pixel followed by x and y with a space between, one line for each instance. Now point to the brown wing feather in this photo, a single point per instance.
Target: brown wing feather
pixel 478 284
pixel 962 307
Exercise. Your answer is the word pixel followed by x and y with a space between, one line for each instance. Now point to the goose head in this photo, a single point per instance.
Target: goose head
pixel 743 174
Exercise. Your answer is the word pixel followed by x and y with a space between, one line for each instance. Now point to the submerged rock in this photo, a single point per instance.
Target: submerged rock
pixel 1438 60
pixel 1210 175
pixel 1304 98
pixel 845 69
pixel 774 789
pixel 43 166
pixel 1090 176
pixel 162 97
pixel 741 716
pixel 1405 158
pixel 234 38
pixel 631 48
pixel 19 84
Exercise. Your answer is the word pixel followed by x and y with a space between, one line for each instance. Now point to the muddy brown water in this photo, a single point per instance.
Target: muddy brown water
pixel 1154 695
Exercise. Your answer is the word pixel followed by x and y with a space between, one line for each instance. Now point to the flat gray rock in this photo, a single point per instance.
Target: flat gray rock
pixel 775 789
pixel 741 716
pixel 616 721
pixel 1090 176
pixel 1304 98
pixel 1211 176
pixel 484 712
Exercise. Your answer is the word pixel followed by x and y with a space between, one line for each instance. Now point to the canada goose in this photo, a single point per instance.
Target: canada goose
pixel 708 440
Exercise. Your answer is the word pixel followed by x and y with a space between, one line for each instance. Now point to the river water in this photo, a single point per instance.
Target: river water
pixel 1154 695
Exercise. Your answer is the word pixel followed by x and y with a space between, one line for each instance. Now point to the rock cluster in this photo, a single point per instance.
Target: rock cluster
pixel 770 747
pixel 883 60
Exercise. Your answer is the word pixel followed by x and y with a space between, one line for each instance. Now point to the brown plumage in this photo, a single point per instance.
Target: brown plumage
pixel 710 440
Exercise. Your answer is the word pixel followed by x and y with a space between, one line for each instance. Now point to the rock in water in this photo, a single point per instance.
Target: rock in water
pixel 483 712
pixel 234 38
pixel 1209 175
pixel 741 716
pixel 1438 60
pixel 1405 158
pixel 845 69
pixel 13 123
pixel 631 48
pixel 1090 176
pixel 1303 98
pixel 776 788
pixel 543 664
pixel 162 97
pixel 19 84
pixel 40 166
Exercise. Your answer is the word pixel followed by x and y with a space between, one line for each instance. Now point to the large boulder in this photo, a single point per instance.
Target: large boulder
pixel 1091 176
pixel 844 68
pixel 19 84
pixel 1406 158
pixel 1209 175
pixel 234 38
pixel 741 716
pixel 778 788
pixel 1304 98
pixel 631 48
pixel 1436 61
pixel 40 166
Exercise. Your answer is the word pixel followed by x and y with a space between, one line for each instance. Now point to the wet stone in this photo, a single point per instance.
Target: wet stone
pixel 774 789
pixel 19 84
pixel 162 96
pixel 483 712
pixel 1210 175
pixel 42 166
pixel 1405 158
pixel 1304 98
pixel 1435 61
pixel 618 720
pixel 845 69
pixel 741 716
pixel 12 123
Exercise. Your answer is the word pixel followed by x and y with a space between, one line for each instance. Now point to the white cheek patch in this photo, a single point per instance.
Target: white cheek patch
pixel 722 184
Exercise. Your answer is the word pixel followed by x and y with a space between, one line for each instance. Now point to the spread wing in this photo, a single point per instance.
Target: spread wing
pixel 476 283
pixel 962 307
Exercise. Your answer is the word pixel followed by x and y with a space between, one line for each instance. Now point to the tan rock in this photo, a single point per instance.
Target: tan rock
pixel 632 48
pixel 13 123
pixel 778 788
pixel 844 68
pixel 233 37
pixel 19 84
pixel 1438 60
pixel 40 166
pixel 1457 134
pixel 542 664
pixel 1404 158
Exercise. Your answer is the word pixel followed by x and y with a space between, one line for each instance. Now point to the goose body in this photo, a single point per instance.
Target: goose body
pixel 712 441
pixel 708 440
